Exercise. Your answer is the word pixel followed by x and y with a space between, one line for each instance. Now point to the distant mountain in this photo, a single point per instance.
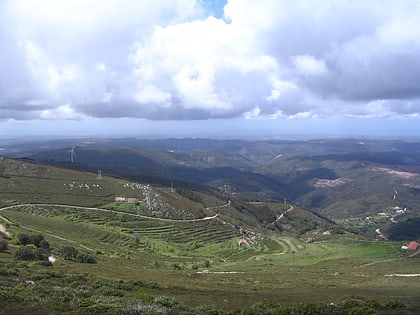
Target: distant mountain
pixel 338 178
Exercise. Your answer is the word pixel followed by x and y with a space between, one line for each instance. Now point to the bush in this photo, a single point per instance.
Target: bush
pixel 24 239
pixel 394 304
pixel 264 307
pixel 44 244
pixel 308 308
pixel 85 258
pixel 25 253
pixel 3 245
pixel 36 239
pixel 29 253
pixel 41 254
pixel 362 310
pixel 69 252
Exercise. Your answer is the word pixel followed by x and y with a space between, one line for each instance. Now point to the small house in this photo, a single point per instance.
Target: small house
pixel 413 246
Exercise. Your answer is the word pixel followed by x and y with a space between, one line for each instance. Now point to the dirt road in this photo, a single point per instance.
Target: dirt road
pixel 282 215
pixel 108 210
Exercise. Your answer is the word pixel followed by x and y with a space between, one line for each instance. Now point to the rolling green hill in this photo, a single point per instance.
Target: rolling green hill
pixel 339 178
pixel 184 266
pixel 180 251
pixel 23 181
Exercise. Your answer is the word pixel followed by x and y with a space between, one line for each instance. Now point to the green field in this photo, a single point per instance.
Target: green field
pixel 181 254
pixel 200 263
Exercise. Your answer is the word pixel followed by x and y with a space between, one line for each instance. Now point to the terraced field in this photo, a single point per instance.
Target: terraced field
pixel 121 225
pixel 170 258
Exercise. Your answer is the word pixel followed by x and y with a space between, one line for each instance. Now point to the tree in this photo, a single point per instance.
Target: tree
pixel 44 244
pixel 36 239
pixel 25 253
pixel 24 239
pixel 41 254
pixel 85 258
pixel 69 252
pixel 3 245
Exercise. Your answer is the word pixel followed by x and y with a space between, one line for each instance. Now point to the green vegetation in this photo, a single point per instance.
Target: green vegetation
pixel 406 230
pixel 133 274
pixel 127 258
pixel 3 245
pixel 71 253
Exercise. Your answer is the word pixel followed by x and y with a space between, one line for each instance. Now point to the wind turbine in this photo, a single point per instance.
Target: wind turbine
pixel 72 154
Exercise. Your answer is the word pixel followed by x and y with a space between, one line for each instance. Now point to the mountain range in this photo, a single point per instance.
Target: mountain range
pixel 361 183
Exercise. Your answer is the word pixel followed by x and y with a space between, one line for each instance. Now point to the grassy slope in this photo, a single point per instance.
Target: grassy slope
pixel 284 270
pixel 166 260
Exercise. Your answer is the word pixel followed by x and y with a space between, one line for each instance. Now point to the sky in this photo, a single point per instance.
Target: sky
pixel 209 68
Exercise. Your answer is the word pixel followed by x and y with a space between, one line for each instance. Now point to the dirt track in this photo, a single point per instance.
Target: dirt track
pixel 108 210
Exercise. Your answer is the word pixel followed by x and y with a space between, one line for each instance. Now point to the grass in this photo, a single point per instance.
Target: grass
pixel 329 270
pixel 167 256
pixel 281 269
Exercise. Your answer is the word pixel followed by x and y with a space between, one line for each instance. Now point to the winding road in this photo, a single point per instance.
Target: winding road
pixel 104 210
pixel 282 215
pixel 222 206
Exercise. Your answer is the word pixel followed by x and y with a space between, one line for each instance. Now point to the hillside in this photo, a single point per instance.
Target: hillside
pixel 178 251
pixel 26 182
pixel 341 179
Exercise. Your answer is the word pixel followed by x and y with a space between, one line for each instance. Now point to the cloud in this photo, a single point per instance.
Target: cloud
pixel 61 112
pixel 72 59
pixel 308 65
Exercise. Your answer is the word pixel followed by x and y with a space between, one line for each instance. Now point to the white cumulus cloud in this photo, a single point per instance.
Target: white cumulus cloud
pixel 268 59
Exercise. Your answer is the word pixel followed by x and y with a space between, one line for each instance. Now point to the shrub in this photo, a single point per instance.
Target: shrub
pixel 206 263
pixel 69 252
pixel 348 304
pixel 36 239
pixel 25 253
pixel 85 258
pixel 362 310
pixel 3 245
pixel 41 254
pixel 24 239
pixel 264 307
pixel 394 304
pixel 308 308
pixel 177 266
pixel 44 244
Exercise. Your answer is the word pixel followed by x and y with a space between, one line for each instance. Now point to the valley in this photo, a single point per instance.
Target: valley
pixel 211 227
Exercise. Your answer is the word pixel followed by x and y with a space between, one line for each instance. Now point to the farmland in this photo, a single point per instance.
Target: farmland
pixel 200 263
